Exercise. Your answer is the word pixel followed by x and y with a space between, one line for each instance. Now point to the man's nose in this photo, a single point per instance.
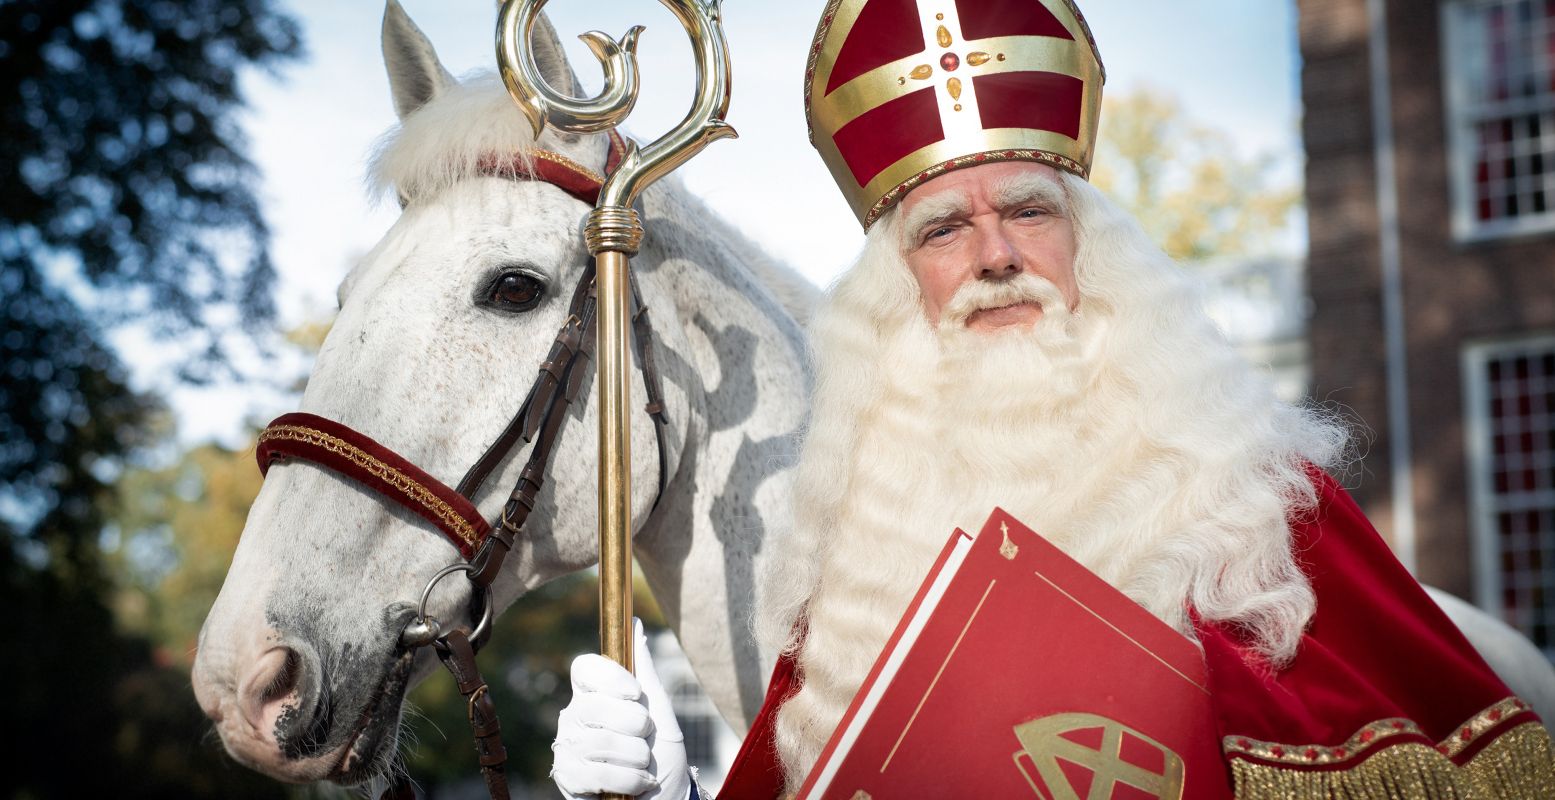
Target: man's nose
pixel 997 257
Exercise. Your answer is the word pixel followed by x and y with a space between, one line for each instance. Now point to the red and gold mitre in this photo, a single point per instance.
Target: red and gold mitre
pixel 899 91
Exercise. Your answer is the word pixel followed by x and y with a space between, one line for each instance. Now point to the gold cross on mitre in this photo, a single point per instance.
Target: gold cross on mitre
pixel 898 91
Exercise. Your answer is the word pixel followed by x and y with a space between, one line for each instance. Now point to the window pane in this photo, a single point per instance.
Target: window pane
pixel 1519 448
pixel 1501 58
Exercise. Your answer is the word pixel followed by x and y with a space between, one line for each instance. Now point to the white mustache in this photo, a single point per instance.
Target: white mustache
pixel 979 295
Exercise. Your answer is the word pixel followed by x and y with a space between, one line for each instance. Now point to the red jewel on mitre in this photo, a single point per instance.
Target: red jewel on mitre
pixel 900 90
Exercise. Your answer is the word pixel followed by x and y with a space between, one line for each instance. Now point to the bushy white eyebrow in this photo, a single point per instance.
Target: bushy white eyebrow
pixel 933 210
pixel 1026 189
pixel 1014 191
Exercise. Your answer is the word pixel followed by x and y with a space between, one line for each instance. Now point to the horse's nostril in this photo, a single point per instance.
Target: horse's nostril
pixel 285 680
pixel 269 689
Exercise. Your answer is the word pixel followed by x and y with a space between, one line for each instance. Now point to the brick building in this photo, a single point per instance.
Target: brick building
pixel 1430 138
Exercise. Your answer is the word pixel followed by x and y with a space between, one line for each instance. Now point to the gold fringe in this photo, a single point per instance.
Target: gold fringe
pixel 1518 764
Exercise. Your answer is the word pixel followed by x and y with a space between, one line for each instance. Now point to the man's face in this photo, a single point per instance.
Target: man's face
pixel 990 222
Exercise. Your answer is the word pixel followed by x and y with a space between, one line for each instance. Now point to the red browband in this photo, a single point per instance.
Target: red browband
pixel 341 448
pixel 556 169
pixel 348 452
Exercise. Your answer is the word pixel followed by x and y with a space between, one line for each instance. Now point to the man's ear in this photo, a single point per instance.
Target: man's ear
pixel 415 73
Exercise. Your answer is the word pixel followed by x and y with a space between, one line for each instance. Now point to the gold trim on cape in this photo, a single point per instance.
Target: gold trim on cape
pixel 1514 762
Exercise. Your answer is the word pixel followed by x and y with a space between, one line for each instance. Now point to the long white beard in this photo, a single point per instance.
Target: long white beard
pixel 1127 433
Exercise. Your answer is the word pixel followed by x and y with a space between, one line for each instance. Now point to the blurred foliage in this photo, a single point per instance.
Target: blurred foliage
pixel 310 335
pixel 95 713
pixel 1185 183
pixel 176 529
pixel 127 200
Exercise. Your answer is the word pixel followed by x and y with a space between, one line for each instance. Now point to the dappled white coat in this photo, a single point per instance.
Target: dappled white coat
pixel 299 662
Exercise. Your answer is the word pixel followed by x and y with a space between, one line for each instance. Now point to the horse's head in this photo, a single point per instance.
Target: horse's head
pixel 441 331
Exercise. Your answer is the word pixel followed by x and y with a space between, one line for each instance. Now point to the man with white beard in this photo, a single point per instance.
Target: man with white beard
pixel 1009 337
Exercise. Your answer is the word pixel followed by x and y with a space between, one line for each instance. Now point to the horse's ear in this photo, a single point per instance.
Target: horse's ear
pixel 552 60
pixel 415 74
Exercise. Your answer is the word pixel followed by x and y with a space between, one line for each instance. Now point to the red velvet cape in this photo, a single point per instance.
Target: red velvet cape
pixel 1380 671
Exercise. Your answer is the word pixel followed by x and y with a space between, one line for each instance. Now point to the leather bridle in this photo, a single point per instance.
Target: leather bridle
pixel 538 421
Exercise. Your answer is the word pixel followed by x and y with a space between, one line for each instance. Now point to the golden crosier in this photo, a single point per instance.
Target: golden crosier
pixel 613 233
pixel 543 105
pixel 540 103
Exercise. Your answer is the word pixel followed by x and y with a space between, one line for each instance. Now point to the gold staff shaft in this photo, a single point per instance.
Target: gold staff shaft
pixel 615 463
pixel 615 449
pixel 613 234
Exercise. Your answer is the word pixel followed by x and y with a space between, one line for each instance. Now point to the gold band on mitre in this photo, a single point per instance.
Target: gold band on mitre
pixel 899 91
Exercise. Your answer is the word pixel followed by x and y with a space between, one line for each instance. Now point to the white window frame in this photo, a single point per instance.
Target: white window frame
pixel 1460 119
pixel 1484 533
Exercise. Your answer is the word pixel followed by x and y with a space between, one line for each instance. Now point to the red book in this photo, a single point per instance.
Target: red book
pixel 1016 672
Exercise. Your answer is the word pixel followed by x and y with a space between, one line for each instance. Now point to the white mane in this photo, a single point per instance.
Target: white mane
pixel 444 141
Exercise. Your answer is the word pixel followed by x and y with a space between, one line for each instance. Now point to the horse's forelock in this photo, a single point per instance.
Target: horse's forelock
pixel 445 140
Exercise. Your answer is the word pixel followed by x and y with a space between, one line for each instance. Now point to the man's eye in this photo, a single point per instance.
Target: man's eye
pixel 1030 213
pixel 941 231
pixel 515 291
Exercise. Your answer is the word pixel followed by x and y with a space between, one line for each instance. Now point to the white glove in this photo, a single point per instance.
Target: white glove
pixel 619 733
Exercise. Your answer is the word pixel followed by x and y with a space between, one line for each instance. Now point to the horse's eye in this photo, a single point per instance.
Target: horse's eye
pixel 516 291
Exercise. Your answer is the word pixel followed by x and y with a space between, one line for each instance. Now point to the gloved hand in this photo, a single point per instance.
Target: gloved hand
pixel 619 733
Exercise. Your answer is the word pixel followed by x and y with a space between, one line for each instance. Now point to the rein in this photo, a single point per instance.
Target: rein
pixel 539 419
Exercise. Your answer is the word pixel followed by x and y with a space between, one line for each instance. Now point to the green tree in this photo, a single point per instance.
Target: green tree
pixel 128 199
pixel 1185 183
pixel 175 530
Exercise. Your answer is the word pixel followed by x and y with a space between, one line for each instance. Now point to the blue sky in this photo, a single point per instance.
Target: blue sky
pixel 1231 63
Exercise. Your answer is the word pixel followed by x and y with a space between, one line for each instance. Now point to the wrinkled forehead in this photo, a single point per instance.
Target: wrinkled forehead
pixel 1001 185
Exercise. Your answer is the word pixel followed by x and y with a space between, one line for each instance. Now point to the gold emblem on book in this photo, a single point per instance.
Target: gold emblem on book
pixel 1078 756
pixel 1008 549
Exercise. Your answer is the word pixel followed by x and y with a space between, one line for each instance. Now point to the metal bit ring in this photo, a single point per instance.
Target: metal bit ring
pixel 426 629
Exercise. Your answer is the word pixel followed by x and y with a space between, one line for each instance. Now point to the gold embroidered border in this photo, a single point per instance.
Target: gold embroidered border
pixel 1372 735
pixel 404 483
pixel 1518 763
pixel 1480 724
pixel 1039 156
pixel 827 15
pixel 559 159
pixel 1311 755
pixel 1074 9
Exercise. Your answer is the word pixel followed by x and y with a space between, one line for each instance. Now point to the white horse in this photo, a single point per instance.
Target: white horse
pixel 299 661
